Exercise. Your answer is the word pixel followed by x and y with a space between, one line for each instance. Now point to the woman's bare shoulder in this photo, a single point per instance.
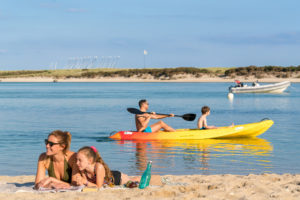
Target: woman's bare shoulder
pixel 43 157
pixel 71 157
pixel 70 154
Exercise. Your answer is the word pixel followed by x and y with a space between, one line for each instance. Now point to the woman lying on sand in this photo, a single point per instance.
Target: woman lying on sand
pixel 58 160
pixel 95 172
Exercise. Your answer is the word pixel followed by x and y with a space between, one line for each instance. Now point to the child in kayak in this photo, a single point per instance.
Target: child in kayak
pixel 202 122
pixel 95 172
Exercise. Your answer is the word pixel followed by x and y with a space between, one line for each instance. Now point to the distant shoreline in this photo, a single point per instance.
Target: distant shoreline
pixel 179 74
pixel 122 79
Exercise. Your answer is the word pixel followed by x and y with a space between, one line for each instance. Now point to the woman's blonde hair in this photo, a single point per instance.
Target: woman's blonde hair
pixel 64 138
pixel 91 152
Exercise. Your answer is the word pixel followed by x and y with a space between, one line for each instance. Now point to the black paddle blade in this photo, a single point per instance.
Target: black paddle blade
pixel 189 117
pixel 134 111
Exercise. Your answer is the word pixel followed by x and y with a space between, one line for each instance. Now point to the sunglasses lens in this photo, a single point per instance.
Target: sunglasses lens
pixel 48 142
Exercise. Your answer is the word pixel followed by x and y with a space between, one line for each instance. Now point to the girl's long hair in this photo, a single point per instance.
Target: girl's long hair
pixel 91 152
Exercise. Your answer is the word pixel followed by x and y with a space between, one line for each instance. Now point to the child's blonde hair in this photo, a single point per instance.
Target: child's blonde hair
pixel 91 152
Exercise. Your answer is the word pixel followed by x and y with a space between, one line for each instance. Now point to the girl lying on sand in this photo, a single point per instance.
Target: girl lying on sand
pixel 95 172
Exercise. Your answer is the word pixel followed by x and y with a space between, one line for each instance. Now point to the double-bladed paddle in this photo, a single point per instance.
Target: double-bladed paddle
pixel 187 117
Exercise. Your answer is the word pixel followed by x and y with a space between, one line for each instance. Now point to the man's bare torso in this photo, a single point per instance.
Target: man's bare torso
pixel 138 121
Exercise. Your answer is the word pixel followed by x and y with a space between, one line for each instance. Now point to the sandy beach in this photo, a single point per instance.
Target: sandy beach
pixel 135 79
pixel 232 187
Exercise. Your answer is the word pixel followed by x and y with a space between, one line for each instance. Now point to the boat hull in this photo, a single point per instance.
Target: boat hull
pixel 238 131
pixel 271 88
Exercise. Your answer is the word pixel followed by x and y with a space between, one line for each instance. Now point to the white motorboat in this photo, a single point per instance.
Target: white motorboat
pixel 256 88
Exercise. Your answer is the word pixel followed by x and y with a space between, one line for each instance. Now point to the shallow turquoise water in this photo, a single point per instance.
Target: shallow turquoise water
pixel 90 111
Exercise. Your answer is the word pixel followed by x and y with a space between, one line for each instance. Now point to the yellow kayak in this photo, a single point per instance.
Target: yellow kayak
pixel 238 131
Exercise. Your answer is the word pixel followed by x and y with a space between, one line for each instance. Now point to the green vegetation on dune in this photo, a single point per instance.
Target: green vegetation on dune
pixel 23 73
pixel 60 73
pixel 158 73
pixel 155 73
pixel 260 72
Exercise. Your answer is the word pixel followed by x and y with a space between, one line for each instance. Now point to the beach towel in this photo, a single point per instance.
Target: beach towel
pixel 29 187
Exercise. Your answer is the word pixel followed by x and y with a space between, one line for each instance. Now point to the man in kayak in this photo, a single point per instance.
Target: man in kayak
pixel 142 120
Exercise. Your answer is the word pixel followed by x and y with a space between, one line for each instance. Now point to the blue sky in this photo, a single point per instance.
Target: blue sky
pixel 198 33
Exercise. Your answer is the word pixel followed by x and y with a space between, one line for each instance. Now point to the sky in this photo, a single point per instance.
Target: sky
pixel 43 34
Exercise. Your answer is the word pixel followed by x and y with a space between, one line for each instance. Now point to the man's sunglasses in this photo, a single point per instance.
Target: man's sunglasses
pixel 50 143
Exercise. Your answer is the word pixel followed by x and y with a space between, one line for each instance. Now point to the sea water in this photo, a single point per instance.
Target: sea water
pixel 91 111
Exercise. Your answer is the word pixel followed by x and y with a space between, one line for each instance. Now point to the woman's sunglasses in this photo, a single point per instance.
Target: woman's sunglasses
pixel 50 143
